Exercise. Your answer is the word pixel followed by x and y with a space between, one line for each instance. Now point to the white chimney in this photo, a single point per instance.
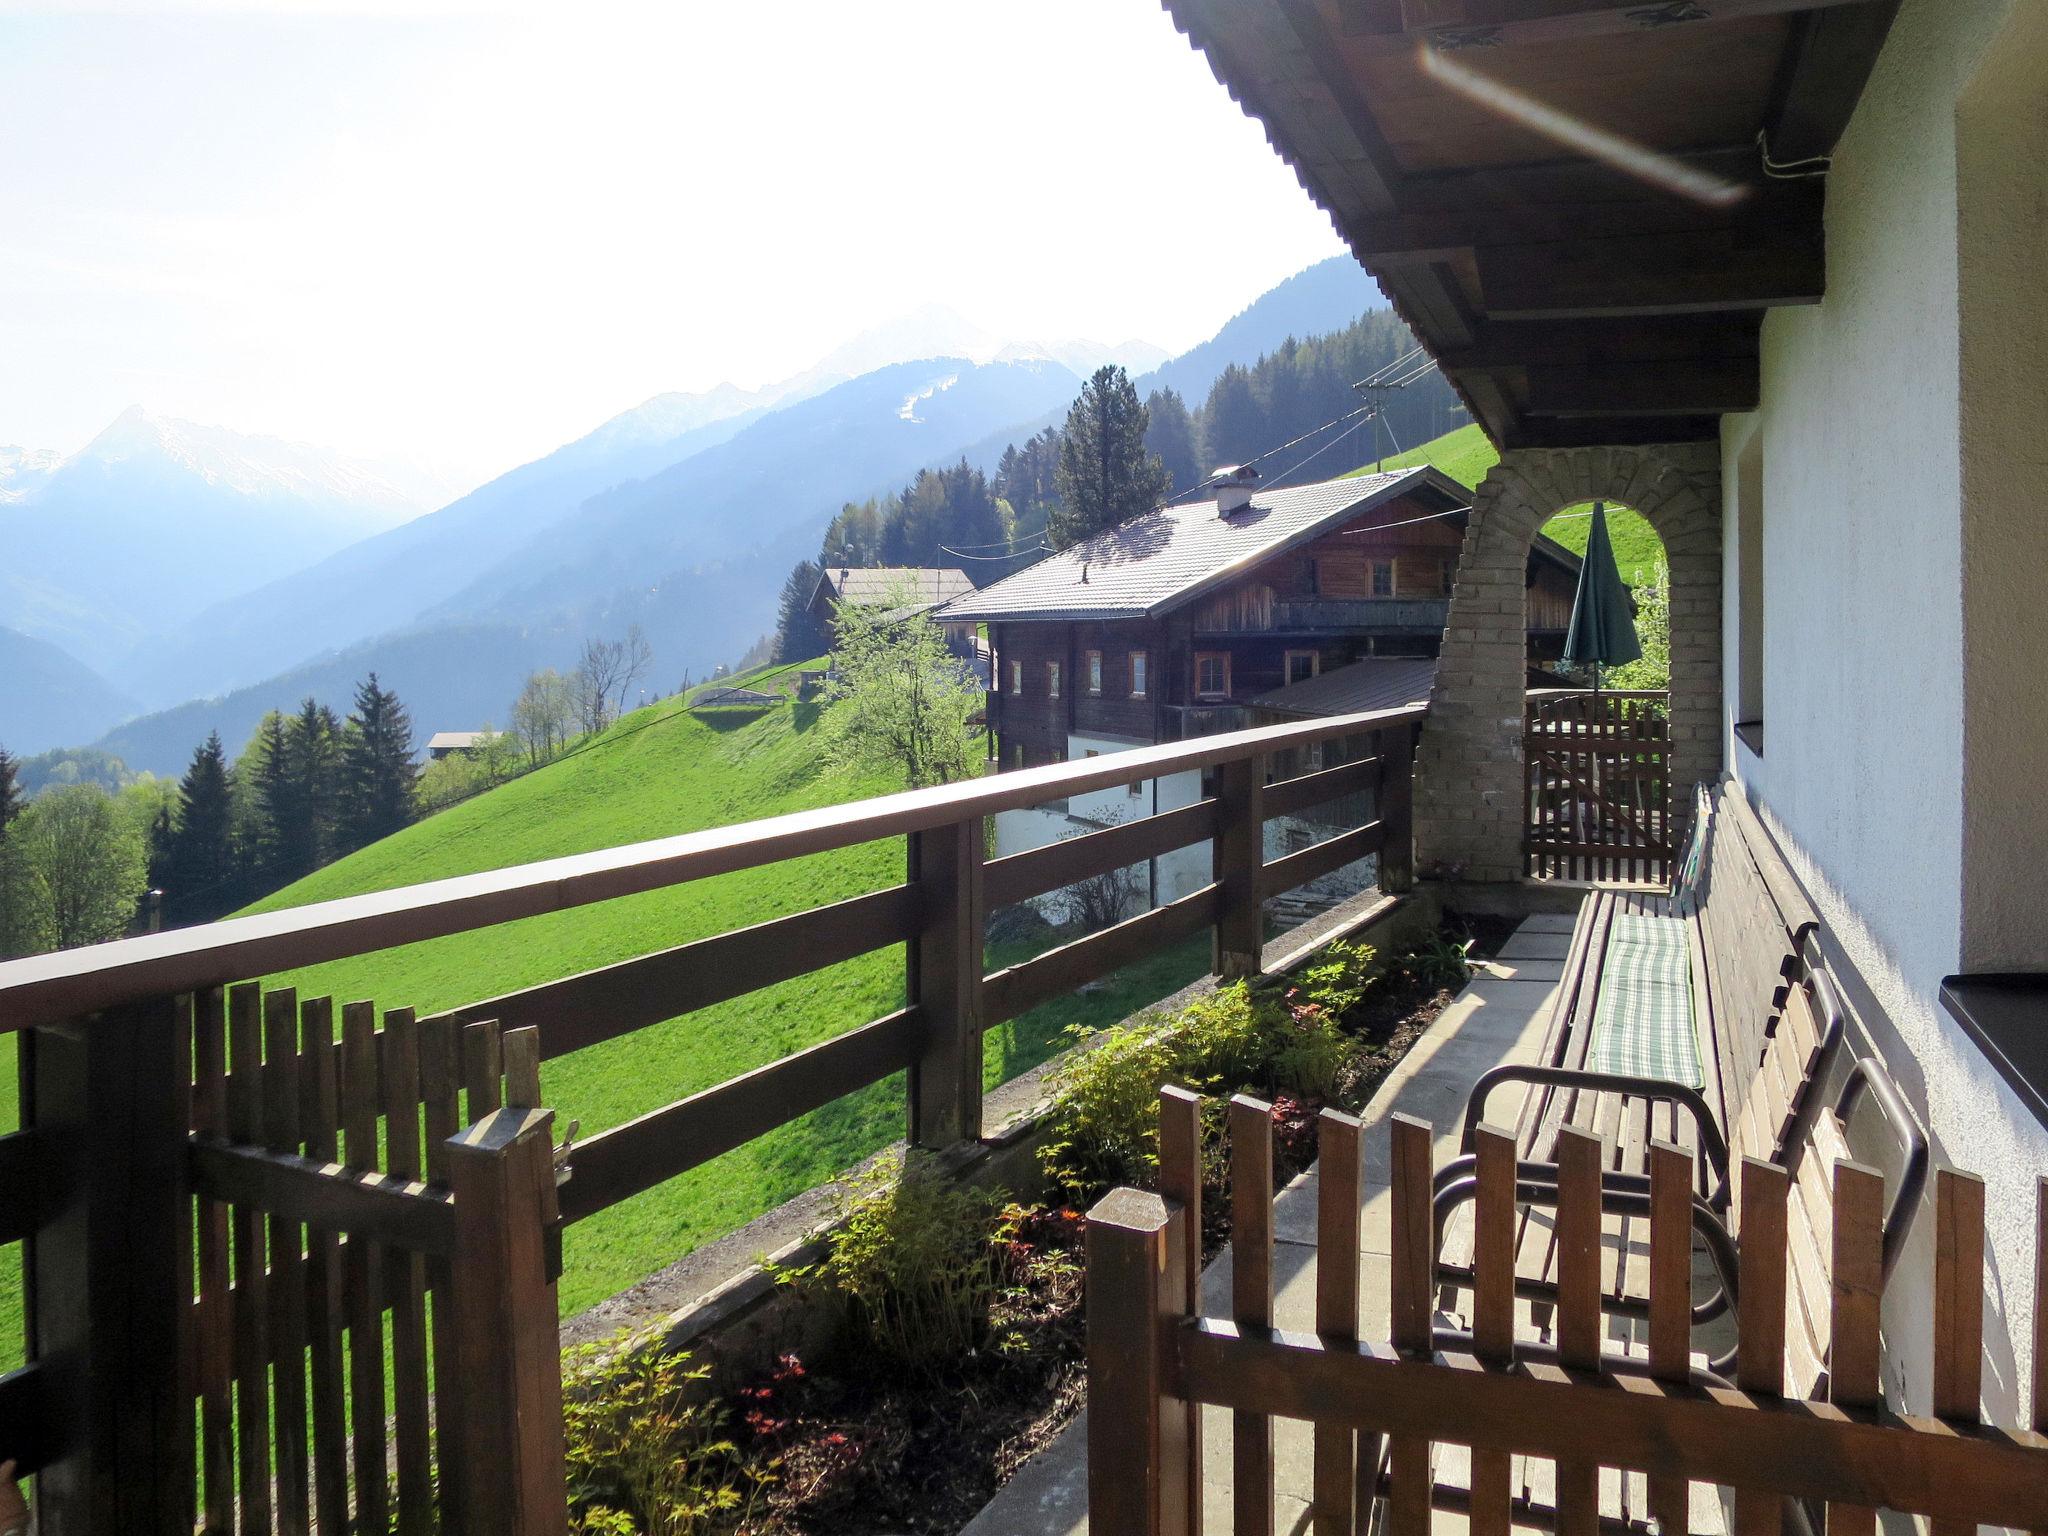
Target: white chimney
pixel 1234 486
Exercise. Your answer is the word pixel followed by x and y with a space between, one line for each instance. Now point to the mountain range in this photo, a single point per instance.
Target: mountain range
pixel 682 515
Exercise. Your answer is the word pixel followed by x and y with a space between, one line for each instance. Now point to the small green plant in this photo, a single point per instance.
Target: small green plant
pixel 1441 961
pixel 1219 1039
pixel 647 1452
pixel 919 1262
pixel 1104 1128
pixel 1339 980
pixel 1307 1049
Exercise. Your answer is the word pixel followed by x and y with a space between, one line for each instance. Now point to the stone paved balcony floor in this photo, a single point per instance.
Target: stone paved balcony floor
pixel 1499 1017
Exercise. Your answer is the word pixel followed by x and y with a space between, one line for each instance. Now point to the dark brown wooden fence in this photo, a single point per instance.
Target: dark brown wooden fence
pixel 1571 1405
pixel 235 1214
pixel 1599 790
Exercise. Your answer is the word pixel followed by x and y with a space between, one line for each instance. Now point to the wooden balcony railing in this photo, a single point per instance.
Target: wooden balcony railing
pixel 336 1197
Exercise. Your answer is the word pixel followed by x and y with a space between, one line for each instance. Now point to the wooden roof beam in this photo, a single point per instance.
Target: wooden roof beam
pixel 1694 388
pixel 1825 68
pixel 1607 342
pixel 1455 24
pixel 1652 275
pixel 1607 431
pixel 1428 234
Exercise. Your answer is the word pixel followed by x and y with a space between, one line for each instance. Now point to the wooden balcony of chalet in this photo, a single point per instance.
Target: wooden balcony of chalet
pixel 1320 616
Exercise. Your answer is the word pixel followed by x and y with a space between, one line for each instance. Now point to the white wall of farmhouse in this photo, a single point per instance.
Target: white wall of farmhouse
pixel 1882 575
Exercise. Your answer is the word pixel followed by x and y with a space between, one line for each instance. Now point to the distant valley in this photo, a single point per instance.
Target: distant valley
pixel 246 575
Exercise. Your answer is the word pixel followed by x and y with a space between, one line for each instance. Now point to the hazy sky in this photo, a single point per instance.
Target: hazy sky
pixel 468 238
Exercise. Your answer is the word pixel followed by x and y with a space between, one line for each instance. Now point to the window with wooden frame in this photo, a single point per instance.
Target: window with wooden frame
pixel 1093 672
pixel 1052 679
pixel 1303 665
pixel 1017 678
pixel 1212 674
pixel 1383 578
pixel 1138 662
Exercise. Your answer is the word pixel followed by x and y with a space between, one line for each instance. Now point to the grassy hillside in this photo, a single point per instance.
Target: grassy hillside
pixel 1466 455
pixel 659 772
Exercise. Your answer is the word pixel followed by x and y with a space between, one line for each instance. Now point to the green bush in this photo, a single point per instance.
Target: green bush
pixel 1339 980
pixel 1221 1040
pixel 1440 961
pixel 918 1261
pixel 647 1454
pixel 1104 1127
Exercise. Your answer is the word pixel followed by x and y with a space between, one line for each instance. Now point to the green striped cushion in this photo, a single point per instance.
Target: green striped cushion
pixel 1643 1025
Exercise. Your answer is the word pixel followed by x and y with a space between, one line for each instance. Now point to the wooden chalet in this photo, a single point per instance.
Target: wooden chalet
pixel 908 589
pixel 1165 626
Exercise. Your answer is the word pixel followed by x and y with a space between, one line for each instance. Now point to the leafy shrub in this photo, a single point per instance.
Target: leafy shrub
pixel 1220 1039
pixel 1440 961
pixel 1306 1049
pixel 647 1453
pixel 1339 980
pixel 1104 1127
pixel 919 1262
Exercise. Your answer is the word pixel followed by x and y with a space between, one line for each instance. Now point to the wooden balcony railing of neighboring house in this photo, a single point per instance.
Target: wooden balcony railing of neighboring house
pixel 1263 613
pixel 229 1207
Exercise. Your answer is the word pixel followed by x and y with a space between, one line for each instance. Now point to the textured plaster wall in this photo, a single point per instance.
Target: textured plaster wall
pixel 1861 437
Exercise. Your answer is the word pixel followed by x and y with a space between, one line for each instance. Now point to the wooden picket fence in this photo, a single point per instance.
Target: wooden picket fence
pixel 346 1220
pixel 1571 1406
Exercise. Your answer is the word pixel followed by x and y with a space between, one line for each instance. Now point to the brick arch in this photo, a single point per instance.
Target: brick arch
pixel 1468 772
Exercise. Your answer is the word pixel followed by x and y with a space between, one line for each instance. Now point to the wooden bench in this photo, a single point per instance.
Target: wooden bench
pixel 1770 1030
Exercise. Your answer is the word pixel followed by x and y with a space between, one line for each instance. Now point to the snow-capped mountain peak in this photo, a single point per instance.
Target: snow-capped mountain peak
pixel 259 467
pixel 23 469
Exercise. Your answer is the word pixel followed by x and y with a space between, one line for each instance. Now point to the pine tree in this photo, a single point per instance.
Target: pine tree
pixel 798 634
pixel 303 791
pixel 1170 433
pixel 1233 425
pixel 1105 473
pixel 10 790
pixel 201 878
pixel 377 768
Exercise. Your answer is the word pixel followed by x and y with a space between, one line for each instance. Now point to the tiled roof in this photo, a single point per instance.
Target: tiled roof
pixel 879 583
pixel 1164 558
pixel 1378 682
pixel 455 741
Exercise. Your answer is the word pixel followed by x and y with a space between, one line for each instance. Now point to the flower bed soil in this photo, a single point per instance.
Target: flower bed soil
pixel 857 1455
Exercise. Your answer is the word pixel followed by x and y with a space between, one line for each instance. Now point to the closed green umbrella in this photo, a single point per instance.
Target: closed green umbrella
pixel 1603 627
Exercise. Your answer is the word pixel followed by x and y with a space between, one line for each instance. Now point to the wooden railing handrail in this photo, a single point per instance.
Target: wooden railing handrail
pixel 1605 693
pixel 47 988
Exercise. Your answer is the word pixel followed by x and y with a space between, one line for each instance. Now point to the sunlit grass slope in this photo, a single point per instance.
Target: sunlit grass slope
pixel 1466 455
pixel 659 772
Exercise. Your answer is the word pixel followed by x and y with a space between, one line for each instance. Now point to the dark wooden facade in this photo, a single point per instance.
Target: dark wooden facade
pixel 1364 589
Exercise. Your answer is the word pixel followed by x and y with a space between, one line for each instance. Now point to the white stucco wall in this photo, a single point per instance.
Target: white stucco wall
pixel 1863 622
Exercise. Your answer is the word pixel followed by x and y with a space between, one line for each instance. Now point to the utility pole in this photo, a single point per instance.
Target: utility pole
pixel 1399 374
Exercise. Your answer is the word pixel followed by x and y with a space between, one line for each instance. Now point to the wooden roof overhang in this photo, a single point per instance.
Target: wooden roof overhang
pixel 1599 280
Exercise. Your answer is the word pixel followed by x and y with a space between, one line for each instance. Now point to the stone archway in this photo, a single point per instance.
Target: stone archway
pixel 1468 771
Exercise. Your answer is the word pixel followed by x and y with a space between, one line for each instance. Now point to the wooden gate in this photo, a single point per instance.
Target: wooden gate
pixel 1598 791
